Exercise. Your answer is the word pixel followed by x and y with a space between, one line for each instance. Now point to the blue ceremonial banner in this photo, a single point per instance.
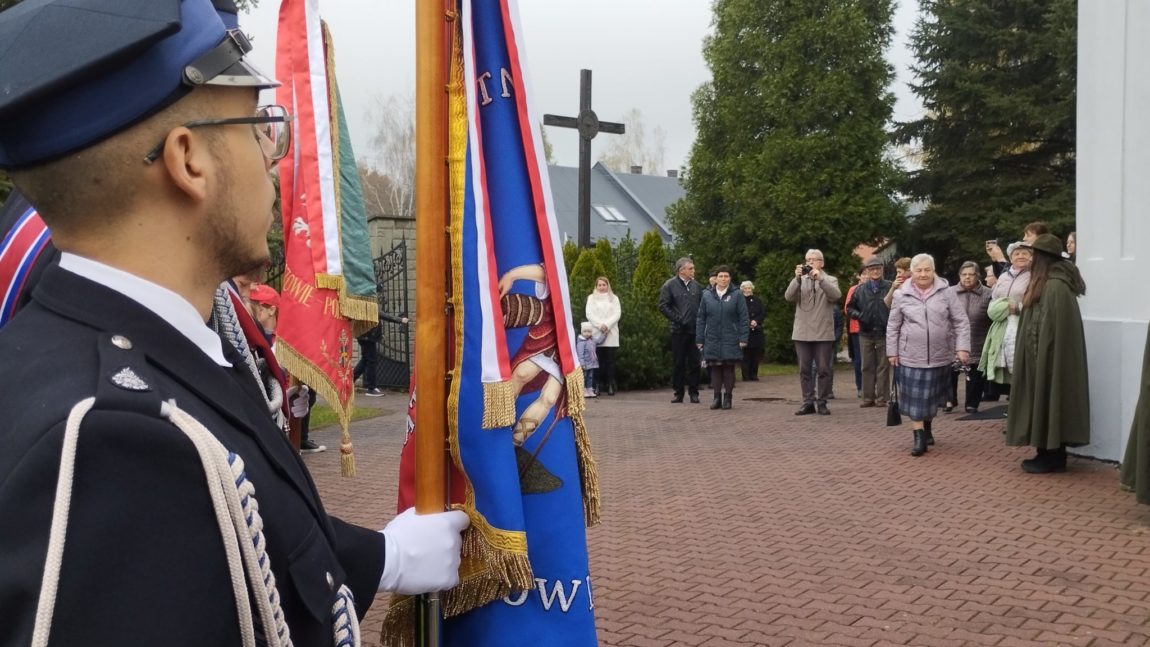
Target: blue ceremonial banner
pixel 515 407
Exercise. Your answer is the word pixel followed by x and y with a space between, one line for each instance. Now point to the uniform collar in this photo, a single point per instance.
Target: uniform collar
pixel 166 304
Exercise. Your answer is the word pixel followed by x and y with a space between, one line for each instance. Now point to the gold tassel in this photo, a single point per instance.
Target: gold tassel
pixel 498 405
pixel 294 363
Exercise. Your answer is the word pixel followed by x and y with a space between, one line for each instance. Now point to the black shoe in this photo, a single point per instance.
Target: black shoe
pixel 823 411
pixel 677 399
pixel 717 402
pixel 919 443
pixel 309 446
pixel 1047 461
pixel 926 432
pixel 806 410
pixel 726 400
pixel 972 409
pixel 694 398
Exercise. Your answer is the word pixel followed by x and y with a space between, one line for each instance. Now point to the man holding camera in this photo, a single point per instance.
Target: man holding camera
pixel 815 293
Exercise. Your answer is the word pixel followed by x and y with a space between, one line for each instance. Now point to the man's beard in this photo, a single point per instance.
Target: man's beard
pixel 232 254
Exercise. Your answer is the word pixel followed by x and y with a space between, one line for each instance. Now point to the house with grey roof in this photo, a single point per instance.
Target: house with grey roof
pixel 622 204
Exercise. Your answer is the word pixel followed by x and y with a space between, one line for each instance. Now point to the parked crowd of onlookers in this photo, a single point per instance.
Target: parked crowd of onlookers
pixel 1011 328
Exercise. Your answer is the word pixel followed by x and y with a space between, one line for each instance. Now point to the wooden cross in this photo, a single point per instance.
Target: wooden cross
pixel 588 125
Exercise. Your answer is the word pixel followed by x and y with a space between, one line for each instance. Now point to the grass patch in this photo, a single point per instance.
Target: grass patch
pixel 323 415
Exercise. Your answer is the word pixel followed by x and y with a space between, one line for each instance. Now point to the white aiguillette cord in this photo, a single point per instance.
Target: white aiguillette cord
pixel 241 528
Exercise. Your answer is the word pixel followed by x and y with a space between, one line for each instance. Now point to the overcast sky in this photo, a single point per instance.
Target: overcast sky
pixel 644 54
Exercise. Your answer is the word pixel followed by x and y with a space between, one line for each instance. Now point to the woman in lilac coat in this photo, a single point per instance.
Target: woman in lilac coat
pixel 924 319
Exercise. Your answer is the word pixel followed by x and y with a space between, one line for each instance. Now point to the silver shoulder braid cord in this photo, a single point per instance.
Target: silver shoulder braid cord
pixel 241 528
pixel 225 322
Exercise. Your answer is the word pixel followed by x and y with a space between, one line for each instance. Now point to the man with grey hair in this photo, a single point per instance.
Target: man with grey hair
pixel 679 303
pixel 815 294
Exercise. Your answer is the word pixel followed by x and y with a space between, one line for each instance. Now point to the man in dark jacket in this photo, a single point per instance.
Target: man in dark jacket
pixel 867 306
pixel 147 423
pixel 679 303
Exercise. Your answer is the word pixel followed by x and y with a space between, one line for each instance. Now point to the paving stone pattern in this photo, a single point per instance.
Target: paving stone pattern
pixel 756 527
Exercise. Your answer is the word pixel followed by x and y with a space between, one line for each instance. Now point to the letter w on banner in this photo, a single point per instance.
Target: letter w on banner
pixel 522 462
pixel 328 285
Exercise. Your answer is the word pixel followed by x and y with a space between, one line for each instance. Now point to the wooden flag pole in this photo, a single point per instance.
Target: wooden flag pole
pixel 432 279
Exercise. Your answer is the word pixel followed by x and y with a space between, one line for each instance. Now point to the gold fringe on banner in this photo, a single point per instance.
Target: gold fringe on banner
pixel 305 371
pixel 498 405
pixel 588 470
pixel 399 623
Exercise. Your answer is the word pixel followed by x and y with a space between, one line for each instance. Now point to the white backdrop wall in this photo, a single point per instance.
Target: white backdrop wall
pixel 1113 209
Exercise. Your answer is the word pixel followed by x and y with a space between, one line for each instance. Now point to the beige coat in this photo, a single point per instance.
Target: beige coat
pixel 814 314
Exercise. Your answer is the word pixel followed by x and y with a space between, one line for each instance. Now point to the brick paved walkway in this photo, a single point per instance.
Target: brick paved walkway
pixel 756 527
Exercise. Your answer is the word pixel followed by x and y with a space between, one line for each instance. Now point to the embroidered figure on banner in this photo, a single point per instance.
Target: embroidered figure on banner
pixel 534 369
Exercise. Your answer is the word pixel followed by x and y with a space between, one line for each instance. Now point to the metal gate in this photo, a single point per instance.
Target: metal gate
pixel 393 370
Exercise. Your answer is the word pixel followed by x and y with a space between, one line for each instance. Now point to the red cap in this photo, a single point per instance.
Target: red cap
pixel 265 294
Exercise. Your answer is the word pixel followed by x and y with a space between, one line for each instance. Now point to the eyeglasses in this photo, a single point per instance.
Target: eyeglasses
pixel 271 126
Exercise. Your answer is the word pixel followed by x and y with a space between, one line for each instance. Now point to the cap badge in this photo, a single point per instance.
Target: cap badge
pixel 121 342
pixel 127 379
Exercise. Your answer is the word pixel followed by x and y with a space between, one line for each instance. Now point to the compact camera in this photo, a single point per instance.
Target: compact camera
pixel 807 269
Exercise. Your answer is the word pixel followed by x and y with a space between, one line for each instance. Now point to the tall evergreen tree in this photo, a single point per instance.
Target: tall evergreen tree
pixel 998 138
pixel 791 151
pixel 644 346
pixel 606 255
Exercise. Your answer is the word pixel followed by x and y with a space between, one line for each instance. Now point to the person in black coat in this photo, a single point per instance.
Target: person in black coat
pixel 721 334
pixel 679 303
pixel 136 414
pixel 756 313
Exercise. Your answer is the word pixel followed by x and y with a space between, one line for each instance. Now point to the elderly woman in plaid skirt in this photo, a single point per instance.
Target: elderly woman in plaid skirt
pixel 924 317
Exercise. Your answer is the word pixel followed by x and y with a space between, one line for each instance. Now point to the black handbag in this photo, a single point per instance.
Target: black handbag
pixel 893 416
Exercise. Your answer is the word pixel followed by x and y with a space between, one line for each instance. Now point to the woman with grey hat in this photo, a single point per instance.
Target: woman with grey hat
pixel 924 318
pixel 1050 399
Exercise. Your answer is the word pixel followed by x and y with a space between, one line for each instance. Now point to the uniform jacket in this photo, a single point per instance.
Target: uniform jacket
pixel 722 324
pixel 815 311
pixel 868 308
pixel 143 562
pixel 975 303
pixel 605 311
pixel 679 303
pixel 1049 393
pixel 919 329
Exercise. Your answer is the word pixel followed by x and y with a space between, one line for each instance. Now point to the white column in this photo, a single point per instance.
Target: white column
pixel 1113 209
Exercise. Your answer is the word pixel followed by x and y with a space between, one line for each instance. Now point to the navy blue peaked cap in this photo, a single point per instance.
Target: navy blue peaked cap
pixel 75 72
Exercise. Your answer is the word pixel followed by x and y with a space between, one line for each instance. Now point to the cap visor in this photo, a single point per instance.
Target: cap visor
pixel 244 75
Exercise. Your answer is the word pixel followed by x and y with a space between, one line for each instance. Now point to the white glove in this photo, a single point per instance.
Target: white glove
pixel 297 397
pixel 422 552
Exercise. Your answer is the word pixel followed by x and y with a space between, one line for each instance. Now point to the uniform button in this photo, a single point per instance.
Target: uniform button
pixel 122 342
pixel 330 581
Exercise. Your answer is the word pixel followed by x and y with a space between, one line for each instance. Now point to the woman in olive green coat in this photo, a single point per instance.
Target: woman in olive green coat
pixel 1136 465
pixel 1050 398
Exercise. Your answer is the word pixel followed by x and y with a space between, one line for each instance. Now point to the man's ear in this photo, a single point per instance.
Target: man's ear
pixel 187 161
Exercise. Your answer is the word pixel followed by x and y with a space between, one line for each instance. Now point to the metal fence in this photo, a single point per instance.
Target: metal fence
pixel 393 369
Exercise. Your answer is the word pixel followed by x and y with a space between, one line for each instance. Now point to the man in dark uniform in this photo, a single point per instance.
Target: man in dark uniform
pixel 129 125
pixel 679 303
